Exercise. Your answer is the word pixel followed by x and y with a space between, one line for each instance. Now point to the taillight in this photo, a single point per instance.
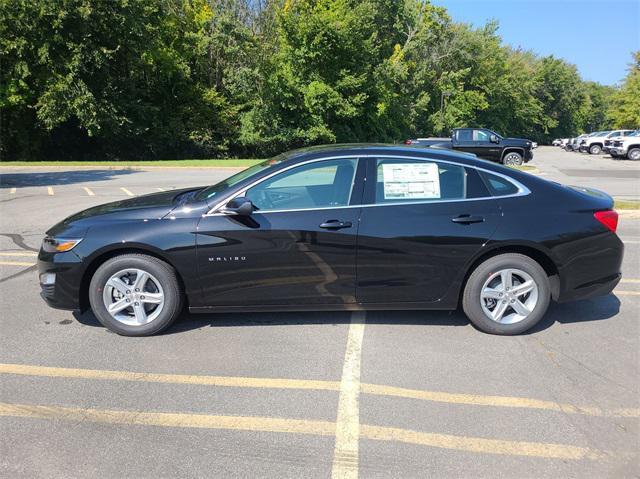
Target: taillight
pixel 408 142
pixel 608 218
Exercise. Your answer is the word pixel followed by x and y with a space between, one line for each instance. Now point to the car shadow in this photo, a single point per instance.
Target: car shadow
pixel 596 309
pixel 59 178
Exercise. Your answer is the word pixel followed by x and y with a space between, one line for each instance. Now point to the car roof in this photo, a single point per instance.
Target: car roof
pixel 371 149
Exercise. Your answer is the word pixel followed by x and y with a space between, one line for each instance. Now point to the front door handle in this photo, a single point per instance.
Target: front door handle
pixel 467 219
pixel 335 224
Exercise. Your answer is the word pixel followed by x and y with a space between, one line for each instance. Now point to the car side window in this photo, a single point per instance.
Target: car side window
pixel 464 135
pixel 406 180
pixel 480 135
pixel 321 184
pixel 497 185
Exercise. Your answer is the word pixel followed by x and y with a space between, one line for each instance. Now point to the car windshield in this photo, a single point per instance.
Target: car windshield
pixel 213 190
pixel 603 133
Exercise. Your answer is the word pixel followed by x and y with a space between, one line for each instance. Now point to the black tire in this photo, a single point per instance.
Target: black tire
pixel 513 159
pixel 595 149
pixel 613 155
pixel 166 276
pixel 633 154
pixel 471 302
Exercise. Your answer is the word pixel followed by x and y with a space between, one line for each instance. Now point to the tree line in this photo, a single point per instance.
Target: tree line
pixel 133 79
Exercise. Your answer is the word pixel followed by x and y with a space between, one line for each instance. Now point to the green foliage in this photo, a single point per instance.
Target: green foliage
pixel 625 105
pixel 144 79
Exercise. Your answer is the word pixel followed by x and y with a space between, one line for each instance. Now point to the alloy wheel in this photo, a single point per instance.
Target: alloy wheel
pixel 634 154
pixel 509 296
pixel 513 159
pixel 133 297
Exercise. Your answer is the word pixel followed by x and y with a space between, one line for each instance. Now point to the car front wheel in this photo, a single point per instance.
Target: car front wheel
pixel 634 154
pixel 595 149
pixel 513 159
pixel 507 294
pixel 135 295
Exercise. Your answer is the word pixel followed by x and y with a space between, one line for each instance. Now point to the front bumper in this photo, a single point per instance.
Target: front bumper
pixel 618 151
pixel 60 276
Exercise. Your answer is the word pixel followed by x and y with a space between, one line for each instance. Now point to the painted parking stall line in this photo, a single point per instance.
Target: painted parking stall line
pixel 126 191
pixel 345 454
pixel 88 190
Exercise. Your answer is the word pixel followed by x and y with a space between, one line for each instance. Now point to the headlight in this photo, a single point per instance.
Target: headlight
pixel 59 245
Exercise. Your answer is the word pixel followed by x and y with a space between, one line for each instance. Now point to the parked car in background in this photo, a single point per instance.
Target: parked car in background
pixel 596 144
pixel 483 143
pixel 556 142
pixel 628 147
pixel 430 228
pixel 593 143
pixel 574 143
pixel 608 142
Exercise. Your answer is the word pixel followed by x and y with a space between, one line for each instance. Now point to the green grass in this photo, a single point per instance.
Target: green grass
pixel 626 205
pixel 232 163
pixel 524 168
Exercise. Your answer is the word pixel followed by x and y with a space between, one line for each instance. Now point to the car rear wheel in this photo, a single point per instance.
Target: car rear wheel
pixel 513 159
pixel 507 294
pixel 634 154
pixel 595 149
pixel 135 295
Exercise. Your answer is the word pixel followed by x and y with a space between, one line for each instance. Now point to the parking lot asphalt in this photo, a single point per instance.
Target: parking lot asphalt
pixel 376 394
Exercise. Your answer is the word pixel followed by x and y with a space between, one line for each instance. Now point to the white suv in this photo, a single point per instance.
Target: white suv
pixel 628 146
pixel 594 143
pixel 608 142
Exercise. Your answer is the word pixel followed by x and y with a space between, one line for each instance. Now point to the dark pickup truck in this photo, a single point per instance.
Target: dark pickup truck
pixel 484 144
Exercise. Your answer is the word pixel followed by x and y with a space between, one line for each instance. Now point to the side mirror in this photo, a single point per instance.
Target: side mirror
pixel 240 206
pixel 494 139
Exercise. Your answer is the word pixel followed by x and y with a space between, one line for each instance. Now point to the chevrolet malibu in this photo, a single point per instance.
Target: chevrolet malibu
pixel 351 227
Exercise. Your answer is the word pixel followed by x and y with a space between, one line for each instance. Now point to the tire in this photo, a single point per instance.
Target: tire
pixel 512 159
pixel 613 155
pixel 144 311
pixel 633 154
pixel 595 149
pixel 488 276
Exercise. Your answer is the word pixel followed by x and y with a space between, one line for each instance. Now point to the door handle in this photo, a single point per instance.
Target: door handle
pixel 335 224
pixel 467 219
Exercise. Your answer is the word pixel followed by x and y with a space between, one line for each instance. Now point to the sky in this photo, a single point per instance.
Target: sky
pixel 597 36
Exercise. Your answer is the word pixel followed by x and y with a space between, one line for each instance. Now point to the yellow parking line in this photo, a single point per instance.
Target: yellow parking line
pixel 16 263
pixel 88 190
pixel 127 191
pixel 496 401
pixel 345 453
pixel 300 426
pixel 629 280
pixel 50 190
pixel 12 191
pixel 308 384
pixel 626 293
pixel 18 253
pixel 481 445
pixel 239 382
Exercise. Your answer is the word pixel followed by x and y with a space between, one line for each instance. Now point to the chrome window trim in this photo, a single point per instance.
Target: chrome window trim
pixel 522 189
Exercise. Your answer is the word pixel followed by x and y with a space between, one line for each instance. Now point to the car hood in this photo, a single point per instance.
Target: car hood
pixel 152 206
pixel 517 142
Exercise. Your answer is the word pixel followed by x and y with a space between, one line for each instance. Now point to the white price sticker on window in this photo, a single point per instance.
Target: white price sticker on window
pixel 410 181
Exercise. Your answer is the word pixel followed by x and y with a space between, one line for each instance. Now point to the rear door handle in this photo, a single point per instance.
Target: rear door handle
pixel 335 224
pixel 467 219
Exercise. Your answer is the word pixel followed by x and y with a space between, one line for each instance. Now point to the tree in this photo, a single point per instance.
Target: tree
pixel 625 105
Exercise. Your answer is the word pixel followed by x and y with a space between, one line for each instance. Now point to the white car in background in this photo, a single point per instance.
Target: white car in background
pixel 608 142
pixel 594 143
pixel 628 146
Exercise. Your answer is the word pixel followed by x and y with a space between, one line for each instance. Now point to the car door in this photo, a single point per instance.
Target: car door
pixel 483 147
pixel 297 247
pixel 422 222
pixel 463 140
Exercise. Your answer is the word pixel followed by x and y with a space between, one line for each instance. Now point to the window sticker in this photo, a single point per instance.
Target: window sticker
pixel 410 181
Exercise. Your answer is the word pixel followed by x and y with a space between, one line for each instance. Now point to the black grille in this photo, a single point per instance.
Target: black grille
pixel 48 290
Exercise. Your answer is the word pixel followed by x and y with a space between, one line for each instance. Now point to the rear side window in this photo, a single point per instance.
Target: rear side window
pixel 402 180
pixel 497 185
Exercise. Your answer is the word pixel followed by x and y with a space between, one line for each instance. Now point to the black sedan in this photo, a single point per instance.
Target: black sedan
pixel 339 228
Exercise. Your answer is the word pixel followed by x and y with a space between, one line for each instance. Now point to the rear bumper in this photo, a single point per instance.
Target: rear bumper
pixel 599 287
